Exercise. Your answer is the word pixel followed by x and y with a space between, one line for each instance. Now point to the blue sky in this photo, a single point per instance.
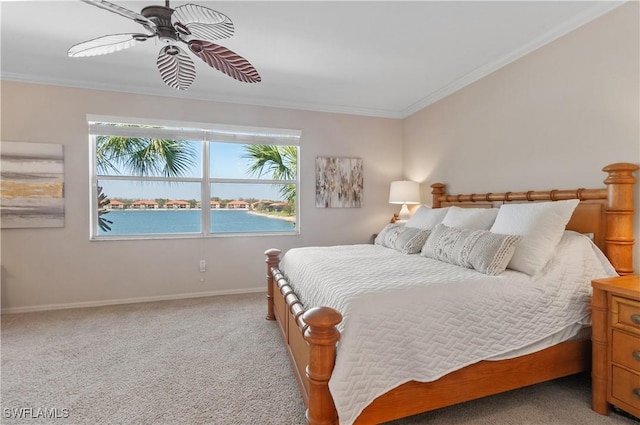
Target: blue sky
pixel 226 162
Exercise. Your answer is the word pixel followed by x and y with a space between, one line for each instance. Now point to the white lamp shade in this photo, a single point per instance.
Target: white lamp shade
pixel 404 192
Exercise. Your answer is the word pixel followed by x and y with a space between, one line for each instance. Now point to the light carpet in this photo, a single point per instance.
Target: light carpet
pixel 208 360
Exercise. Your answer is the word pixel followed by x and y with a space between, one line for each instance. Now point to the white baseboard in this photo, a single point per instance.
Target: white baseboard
pixel 46 307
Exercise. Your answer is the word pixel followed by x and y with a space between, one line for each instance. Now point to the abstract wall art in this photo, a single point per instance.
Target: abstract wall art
pixel 31 185
pixel 339 182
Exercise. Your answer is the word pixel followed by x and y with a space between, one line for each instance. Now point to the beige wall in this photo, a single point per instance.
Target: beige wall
pixel 49 267
pixel 550 120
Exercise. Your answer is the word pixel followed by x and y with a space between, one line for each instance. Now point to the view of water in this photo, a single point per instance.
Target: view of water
pixel 141 222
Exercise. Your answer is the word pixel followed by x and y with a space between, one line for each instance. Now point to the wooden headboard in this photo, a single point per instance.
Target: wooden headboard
pixel 606 212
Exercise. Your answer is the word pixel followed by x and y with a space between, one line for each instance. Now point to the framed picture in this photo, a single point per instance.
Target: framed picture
pixel 339 182
pixel 32 185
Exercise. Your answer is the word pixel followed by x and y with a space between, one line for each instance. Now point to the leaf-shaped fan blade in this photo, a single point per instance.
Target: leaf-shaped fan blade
pixel 225 60
pixel 102 4
pixel 176 68
pixel 104 45
pixel 199 22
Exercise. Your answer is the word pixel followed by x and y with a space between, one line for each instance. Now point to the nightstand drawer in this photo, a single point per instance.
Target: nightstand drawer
pixel 625 314
pixel 626 350
pixel 625 386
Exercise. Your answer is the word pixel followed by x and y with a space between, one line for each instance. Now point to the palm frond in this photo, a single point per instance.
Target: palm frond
pixel 103 201
pixel 288 193
pixel 143 156
pixel 280 162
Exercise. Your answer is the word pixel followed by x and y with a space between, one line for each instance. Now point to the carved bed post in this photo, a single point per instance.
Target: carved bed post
pixel 322 336
pixel 619 216
pixel 437 189
pixel 273 260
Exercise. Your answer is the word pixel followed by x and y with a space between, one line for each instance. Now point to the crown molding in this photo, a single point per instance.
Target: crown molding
pixel 272 103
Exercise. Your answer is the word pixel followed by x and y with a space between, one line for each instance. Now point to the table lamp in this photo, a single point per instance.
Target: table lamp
pixel 404 192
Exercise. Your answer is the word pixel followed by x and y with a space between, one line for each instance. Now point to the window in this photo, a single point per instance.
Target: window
pixel 154 179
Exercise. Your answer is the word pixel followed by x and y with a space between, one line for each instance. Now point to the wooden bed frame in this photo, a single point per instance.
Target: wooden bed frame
pixel 311 336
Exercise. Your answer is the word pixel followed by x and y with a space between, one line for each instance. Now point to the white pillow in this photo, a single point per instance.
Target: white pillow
pixel 427 218
pixel 541 226
pixel 470 218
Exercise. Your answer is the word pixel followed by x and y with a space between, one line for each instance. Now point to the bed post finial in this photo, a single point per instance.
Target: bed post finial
pixel 322 336
pixel 437 190
pixel 272 260
pixel 619 212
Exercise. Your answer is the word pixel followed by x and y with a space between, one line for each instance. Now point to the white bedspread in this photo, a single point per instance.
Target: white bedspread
pixel 408 317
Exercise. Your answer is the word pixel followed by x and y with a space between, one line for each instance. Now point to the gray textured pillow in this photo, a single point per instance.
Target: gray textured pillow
pixel 407 240
pixel 486 252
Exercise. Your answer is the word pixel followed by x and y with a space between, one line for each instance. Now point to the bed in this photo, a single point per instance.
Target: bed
pixel 312 335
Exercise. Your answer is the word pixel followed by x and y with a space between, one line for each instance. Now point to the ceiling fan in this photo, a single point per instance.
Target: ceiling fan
pixel 190 24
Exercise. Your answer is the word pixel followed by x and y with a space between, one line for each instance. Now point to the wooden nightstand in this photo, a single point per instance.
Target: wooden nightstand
pixel 616 344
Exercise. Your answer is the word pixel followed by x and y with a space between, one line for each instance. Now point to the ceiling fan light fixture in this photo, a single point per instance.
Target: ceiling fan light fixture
pixel 161 16
pixel 167 36
pixel 191 24
pixel 171 50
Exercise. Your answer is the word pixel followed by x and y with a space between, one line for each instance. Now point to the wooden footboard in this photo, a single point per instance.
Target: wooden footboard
pixel 311 336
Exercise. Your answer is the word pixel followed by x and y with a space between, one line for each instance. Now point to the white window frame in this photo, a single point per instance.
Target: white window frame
pixel 191 131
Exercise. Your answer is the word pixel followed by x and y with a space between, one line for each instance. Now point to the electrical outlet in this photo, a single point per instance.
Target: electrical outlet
pixel 203 266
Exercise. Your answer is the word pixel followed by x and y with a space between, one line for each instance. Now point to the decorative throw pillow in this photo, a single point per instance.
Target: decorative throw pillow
pixel 382 235
pixel 541 226
pixel 407 240
pixel 470 218
pixel 427 218
pixel 486 252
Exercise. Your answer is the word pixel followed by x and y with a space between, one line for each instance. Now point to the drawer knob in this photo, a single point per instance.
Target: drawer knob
pixel 636 355
pixel 636 392
pixel 635 318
